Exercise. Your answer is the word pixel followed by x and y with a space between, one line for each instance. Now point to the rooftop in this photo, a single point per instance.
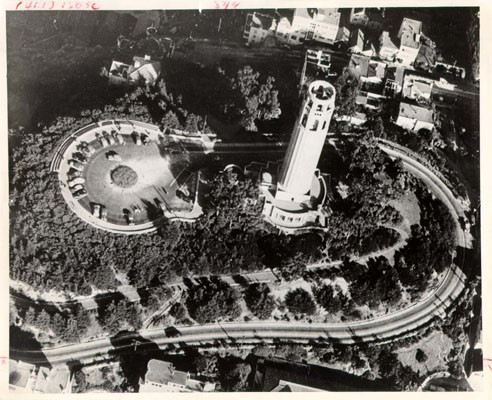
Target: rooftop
pixel 162 372
pixel 19 373
pixel 412 111
pixel 376 69
pixel 262 21
pixel 52 380
pixel 359 65
pixel 409 33
pixel 326 15
pixel 385 40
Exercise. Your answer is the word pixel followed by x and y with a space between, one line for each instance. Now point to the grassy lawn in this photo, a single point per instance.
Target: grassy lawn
pixel 436 347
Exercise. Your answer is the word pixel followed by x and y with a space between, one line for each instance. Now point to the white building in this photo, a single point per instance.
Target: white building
pixel 143 70
pixel 414 118
pixel 294 198
pixel 258 27
pixel 54 380
pixel 418 88
pixel 409 35
pixel 305 24
pixel 163 377
pixel 24 377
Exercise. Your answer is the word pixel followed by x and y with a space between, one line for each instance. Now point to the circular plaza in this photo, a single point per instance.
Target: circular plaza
pixel 120 176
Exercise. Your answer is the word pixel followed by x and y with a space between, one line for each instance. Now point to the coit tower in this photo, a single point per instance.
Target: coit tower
pixel 306 143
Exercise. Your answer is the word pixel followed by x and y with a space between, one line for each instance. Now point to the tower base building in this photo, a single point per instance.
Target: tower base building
pixel 296 191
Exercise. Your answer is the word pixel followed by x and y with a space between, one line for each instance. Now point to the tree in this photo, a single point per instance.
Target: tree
pixel 259 300
pixel 178 311
pixel 420 356
pixel 300 301
pixel 254 101
pixel 291 352
pixel 378 284
pixel 212 301
pixel 43 320
pixel 30 317
pixel 330 300
pixel 234 378
pixel 347 88
pixel 118 315
pixel 205 364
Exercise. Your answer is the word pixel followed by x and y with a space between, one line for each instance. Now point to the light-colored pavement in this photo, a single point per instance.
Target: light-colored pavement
pixel 385 327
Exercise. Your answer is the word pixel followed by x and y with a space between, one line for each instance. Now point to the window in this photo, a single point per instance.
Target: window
pixel 320 107
pixel 315 125
pixel 324 125
pixel 293 37
pixel 310 104
pixel 304 120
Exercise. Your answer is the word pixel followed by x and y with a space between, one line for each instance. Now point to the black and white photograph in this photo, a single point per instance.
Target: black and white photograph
pixel 231 199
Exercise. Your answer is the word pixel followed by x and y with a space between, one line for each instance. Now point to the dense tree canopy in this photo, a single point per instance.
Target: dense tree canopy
pixel 213 300
pixel 331 300
pixel 259 300
pixel 299 301
pixel 119 315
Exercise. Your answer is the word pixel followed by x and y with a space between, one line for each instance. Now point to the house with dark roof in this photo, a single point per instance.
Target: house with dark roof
pixel 283 376
pixel 162 376
pixel 415 118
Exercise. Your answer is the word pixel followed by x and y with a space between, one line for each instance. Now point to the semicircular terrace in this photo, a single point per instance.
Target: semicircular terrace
pixel 118 175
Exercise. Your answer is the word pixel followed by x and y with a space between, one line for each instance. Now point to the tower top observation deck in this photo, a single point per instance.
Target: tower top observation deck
pixel 322 91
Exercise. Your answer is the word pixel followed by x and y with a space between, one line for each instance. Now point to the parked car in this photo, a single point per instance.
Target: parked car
pixel 112 156
pixel 138 140
pixel 104 142
pixel 118 137
pixel 96 210
pixel 130 220
pixel 78 156
pixel 80 194
pixel 76 181
pixel 73 173
pixel 104 213
pixel 110 139
pixel 76 164
pixel 76 188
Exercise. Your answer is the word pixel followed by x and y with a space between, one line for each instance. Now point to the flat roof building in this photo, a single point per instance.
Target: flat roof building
pixel 162 376
pixel 414 118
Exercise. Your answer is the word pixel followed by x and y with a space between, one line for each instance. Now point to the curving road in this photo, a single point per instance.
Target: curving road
pixel 386 327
